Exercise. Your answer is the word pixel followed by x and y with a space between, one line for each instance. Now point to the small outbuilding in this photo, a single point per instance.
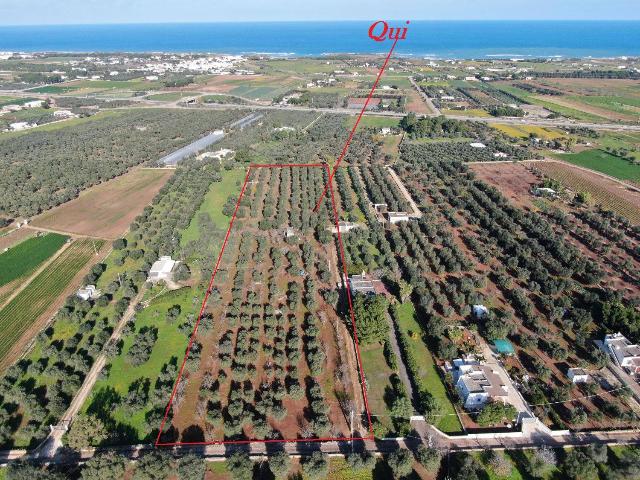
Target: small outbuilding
pixel 90 292
pixel 397 217
pixel 480 311
pixel 578 375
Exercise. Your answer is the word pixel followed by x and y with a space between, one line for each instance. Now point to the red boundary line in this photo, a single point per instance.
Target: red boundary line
pixel 355 125
pixel 328 185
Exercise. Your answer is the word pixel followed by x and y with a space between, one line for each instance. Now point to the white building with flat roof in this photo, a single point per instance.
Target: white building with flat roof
pixel 624 353
pixel 477 384
pixel 162 269
pixel 578 375
pixel 397 217
pixel 90 292
pixel 32 104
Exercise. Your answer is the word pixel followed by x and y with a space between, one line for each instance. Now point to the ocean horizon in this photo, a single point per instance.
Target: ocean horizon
pixel 446 39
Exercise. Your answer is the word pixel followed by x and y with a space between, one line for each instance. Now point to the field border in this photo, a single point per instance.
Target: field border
pixel 329 185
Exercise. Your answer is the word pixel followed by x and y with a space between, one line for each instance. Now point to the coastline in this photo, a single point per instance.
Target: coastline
pixel 430 40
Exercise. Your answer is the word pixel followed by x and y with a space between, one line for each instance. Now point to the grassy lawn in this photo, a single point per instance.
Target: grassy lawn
pixel 372 121
pixel 618 104
pixel 548 104
pixel 213 202
pixel 23 258
pixel 169 348
pixel 603 162
pixel 428 374
pixel 171 96
pixel 20 313
pixel 377 374
pixel 523 131
pixel 628 140
pixel 471 112
pixel 55 89
pixel 566 111
pixel 443 140
pixel 4 100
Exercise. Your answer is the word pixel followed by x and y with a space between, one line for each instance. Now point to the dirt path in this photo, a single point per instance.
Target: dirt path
pixel 54 441
pixel 62 232
pixel 396 350
pixel 416 211
pixel 424 96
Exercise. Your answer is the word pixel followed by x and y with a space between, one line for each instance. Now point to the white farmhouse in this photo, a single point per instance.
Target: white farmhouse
pixel 624 353
pixel 397 217
pixel 17 126
pixel 477 384
pixel 32 104
pixel 578 375
pixel 90 292
pixel 162 269
pixel 344 227
pixel 63 114
pixel 477 145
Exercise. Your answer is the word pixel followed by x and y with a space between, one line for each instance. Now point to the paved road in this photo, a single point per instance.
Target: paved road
pixel 561 123
pixel 531 439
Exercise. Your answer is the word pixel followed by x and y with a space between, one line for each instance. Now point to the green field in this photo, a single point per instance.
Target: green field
pixel 26 308
pixel 549 105
pixel 23 258
pixel 618 104
pixel 169 347
pixel 372 121
pixel 603 162
pixel 429 377
pixel 171 96
pixel 4 100
pixel 377 374
pixel 55 89
pixel 616 140
pixel 213 202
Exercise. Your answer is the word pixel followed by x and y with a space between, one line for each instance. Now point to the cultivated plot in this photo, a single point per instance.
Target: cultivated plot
pixel 270 358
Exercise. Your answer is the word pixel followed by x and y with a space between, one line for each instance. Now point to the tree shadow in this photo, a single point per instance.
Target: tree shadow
pixel 104 402
pixel 193 433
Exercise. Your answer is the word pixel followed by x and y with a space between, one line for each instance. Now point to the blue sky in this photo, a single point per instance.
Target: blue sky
pixel 30 12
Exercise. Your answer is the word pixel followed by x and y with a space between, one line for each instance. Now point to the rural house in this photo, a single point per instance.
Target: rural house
pixel 624 353
pixel 477 384
pixel 578 375
pixel 90 292
pixel 344 227
pixel 365 284
pixel 397 217
pixel 162 269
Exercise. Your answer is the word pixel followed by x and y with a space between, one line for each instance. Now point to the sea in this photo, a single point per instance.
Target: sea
pixel 425 39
